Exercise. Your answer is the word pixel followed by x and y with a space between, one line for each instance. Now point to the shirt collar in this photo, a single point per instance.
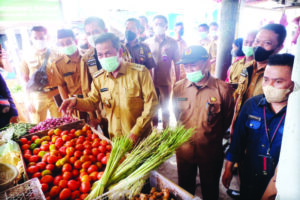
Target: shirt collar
pixel 67 59
pixel 208 83
pixel 122 70
pixel 263 102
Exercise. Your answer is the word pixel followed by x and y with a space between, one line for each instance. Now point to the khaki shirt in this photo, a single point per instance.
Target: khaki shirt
pixel 73 75
pixel 237 68
pixel 141 54
pixel 165 54
pixel 129 100
pixel 33 61
pixel 209 110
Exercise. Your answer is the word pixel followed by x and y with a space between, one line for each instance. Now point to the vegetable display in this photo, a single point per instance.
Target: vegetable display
pixel 52 123
pixel 154 195
pixel 67 163
pixel 20 129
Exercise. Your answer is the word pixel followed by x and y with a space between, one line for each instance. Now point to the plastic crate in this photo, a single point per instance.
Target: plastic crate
pixel 30 190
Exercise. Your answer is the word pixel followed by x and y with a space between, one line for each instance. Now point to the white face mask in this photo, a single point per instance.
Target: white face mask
pixel 92 38
pixel 158 30
pixel 39 44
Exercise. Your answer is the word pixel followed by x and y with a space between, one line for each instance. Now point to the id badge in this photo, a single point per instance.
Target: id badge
pixel 267 164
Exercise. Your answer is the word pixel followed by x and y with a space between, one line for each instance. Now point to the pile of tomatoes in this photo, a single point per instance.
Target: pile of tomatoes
pixel 67 163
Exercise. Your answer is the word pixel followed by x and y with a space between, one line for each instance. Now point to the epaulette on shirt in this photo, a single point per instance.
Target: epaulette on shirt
pixel 97 73
pixel 138 67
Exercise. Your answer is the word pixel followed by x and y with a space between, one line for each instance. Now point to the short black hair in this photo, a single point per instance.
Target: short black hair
pixel 204 26
pixel 284 59
pixel 136 21
pixel 109 37
pixel 63 33
pixel 214 24
pixel 161 17
pixel 96 20
pixel 39 29
pixel 144 17
pixel 179 24
pixel 279 30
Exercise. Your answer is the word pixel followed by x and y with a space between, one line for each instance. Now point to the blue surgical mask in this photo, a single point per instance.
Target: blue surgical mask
pixel 195 76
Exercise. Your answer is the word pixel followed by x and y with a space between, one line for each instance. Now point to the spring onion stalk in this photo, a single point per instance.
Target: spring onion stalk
pixel 169 142
pixel 121 145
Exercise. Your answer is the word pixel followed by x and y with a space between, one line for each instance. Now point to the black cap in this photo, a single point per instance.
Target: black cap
pixel 63 33
pixel 193 54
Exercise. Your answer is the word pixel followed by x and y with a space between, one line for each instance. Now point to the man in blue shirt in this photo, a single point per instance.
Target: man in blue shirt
pixel 257 135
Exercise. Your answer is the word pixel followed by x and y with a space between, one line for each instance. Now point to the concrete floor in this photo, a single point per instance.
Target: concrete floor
pixel 169 170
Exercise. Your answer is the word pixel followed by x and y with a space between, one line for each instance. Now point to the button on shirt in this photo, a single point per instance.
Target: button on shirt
pixel 209 110
pixel 129 100
pixel 250 135
pixel 165 54
pixel 141 54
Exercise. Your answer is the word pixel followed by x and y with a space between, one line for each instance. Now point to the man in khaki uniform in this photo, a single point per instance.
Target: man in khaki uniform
pixel 125 90
pixel 94 27
pixel 165 53
pixel 179 31
pixel 237 67
pixel 40 101
pixel 72 76
pixel 268 41
pixel 209 45
pixel 206 104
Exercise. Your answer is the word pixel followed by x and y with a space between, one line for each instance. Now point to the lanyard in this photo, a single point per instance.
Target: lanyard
pixel 275 132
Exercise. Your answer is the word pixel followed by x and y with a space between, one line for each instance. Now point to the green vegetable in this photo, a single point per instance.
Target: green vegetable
pixel 20 129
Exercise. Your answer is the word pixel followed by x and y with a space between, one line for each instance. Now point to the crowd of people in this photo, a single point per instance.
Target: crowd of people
pixel 120 85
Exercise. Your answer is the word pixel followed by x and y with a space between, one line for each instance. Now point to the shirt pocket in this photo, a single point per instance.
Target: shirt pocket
pixel 133 98
pixel 106 99
pixel 68 77
pixel 213 112
pixel 254 127
pixel 184 110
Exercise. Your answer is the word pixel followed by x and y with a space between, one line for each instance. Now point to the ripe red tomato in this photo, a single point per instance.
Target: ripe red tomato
pixel 77 164
pixel 75 194
pixel 108 148
pixel 23 140
pixel 41 165
pixel 103 142
pixel 50 167
pixel 85 178
pixel 27 151
pixel 57 179
pixel 67 168
pixel 44 187
pixel 65 194
pixel 25 146
pixel 86 164
pixel 73 185
pixel 104 160
pixel 93 176
pixel 94 136
pixel 70 144
pixel 85 187
pixel 100 174
pixel 63 183
pixel 77 154
pixel 67 175
pixel 75 172
pixel 34 158
pixel 54 191
pixel 100 156
pixel 45 147
pixel 92 158
pixel 34 138
pixel 33 169
pixel 45 158
pixel 72 130
pixel 63 151
pixel 37 175
pixel 95 151
pixel 87 152
pixel 47 179
pixel 92 168
pixel 59 143
pixel 102 149
pixel 79 147
pixel 82 174
pixel 52 159
pixel 83 196
pixel 70 151
pixel 72 160
pixel 95 144
pixel 88 146
pixel 66 138
pixel 99 165
pixel 64 133
pixel 27 156
pixel 36 151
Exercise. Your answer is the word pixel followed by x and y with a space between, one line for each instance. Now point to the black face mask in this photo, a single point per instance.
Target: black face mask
pixel 84 46
pixel 260 54
pixel 130 36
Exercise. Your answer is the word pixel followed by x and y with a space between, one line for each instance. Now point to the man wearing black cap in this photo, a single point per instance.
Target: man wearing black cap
pixel 71 72
pixel 206 104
